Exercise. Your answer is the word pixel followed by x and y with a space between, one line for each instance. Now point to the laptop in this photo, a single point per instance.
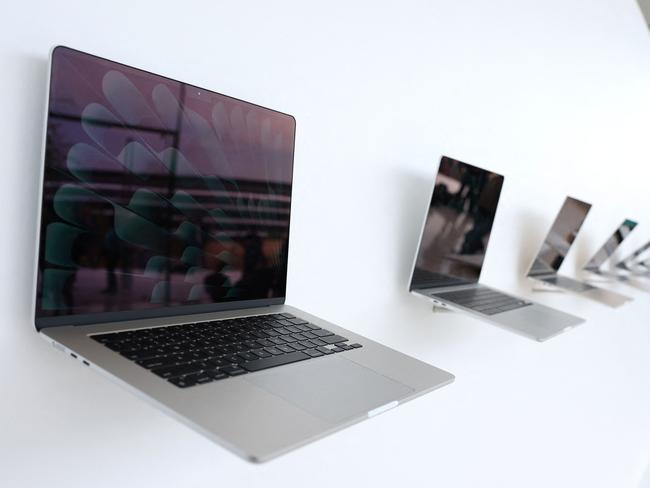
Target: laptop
pixel 453 245
pixel 610 246
pixel 162 263
pixel 634 263
pixel 555 248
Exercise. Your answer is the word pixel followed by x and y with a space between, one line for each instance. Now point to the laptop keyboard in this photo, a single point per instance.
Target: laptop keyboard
pixel 483 300
pixel 569 284
pixel 195 354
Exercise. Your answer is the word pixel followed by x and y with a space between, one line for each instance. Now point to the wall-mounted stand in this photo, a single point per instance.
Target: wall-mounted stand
pixel 441 309
pixel 542 286
pixel 602 279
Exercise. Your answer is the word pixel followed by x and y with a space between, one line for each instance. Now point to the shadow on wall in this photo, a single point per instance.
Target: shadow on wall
pixel 583 251
pixel 532 231
pixel 29 128
pixel 414 195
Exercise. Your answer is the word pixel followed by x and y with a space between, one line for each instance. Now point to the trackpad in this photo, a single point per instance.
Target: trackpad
pixel 333 389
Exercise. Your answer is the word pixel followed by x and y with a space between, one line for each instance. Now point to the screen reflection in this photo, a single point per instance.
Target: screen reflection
pixel 157 193
pixel 458 225
pixel 561 236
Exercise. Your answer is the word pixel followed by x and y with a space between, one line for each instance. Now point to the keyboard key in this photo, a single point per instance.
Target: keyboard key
pixel 235 370
pixel 356 345
pixel 262 353
pixel 247 356
pixel 178 370
pixel 202 378
pixel 313 353
pixel 275 361
pixel 183 381
pixel 273 350
pixel 322 332
pixel 216 374
pixel 157 362
pixel 324 350
pixel 333 339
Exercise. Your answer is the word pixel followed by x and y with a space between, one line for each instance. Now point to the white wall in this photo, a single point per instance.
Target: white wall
pixel 552 94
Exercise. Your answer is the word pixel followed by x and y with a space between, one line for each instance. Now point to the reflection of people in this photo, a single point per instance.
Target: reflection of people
pixel 257 277
pixel 115 255
pixel 485 206
pixel 472 183
pixel 216 283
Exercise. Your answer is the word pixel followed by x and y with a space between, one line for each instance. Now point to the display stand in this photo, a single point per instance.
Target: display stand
pixel 441 309
pixel 542 286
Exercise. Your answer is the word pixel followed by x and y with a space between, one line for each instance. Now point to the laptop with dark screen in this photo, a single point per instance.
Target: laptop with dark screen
pixel 453 246
pixel 162 263
pixel 556 246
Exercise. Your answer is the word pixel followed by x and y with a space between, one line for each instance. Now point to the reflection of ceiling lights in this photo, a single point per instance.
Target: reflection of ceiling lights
pixel 645 8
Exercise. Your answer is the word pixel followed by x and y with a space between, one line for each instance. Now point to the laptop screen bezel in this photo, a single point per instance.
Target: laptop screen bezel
pixel 125 315
pixel 466 282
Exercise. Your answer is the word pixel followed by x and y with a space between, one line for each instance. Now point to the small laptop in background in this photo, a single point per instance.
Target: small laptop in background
pixel 636 263
pixel 162 263
pixel 453 244
pixel 555 248
pixel 594 265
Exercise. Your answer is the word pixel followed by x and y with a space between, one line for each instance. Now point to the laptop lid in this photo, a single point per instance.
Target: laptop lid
pixel 610 245
pixel 635 258
pixel 159 198
pixel 563 232
pixel 457 227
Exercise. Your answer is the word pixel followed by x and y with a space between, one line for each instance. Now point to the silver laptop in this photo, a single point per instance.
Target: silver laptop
pixel 595 264
pixel 162 263
pixel 636 263
pixel 555 248
pixel 453 244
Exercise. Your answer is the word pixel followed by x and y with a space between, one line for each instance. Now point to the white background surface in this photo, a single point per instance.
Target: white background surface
pixel 552 94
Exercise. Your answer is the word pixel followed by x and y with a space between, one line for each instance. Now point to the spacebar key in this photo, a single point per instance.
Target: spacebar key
pixel 271 362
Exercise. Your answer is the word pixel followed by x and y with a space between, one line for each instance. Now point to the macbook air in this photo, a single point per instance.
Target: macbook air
pixel 594 265
pixel 453 245
pixel 162 263
pixel 597 271
pixel 555 248
pixel 634 262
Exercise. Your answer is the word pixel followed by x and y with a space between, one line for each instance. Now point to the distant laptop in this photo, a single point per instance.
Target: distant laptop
pixel 634 262
pixel 453 244
pixel 555 248
pixel 162 263
pixel 594 265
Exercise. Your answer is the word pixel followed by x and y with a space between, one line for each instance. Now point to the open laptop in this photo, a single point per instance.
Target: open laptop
pixel 453 244
pixel 594 265
pixel 633 263
pixel 555 248
pixel 162 263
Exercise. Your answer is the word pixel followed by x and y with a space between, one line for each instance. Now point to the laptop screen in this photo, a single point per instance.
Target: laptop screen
pixel 158 195
pixel 458 225
pixel 611 245
pixel 559 239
